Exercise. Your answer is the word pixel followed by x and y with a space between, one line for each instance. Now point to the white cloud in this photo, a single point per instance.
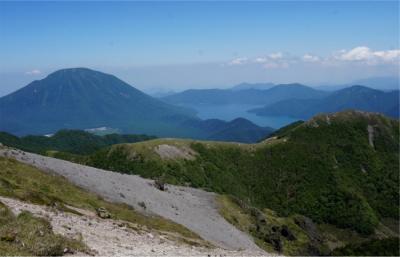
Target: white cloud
pixel 33 72
pixel 274 60
pixel 311 58
pixel 366 55
pixel 238 61
pixel 361 55
pixel 276 56
pixel 388 56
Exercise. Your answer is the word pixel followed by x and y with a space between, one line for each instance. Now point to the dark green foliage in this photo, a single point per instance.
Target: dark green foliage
pixel 375 247
pixel 237 130
pixel 240 130
pixel 71 141
pixel 327 171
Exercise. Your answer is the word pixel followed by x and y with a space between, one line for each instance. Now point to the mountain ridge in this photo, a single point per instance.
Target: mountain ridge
pixel 356 97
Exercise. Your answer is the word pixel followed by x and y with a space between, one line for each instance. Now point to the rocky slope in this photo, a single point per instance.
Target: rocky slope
pixel 193 208
pixel 108 237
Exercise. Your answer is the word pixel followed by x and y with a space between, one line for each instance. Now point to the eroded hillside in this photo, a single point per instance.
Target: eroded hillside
pixel 47 215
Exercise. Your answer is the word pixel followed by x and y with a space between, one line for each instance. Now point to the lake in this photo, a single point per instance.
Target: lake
pixel 233 111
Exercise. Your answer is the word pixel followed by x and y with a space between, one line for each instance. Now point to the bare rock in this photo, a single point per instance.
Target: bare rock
pixel 103 213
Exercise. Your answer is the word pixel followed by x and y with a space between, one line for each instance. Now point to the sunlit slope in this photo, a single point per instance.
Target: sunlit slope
pixel 340 169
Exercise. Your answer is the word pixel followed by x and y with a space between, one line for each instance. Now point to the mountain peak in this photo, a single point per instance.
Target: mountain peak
pixel 358 88
pixel 241 121
pixel 80 98
pixel 76 72
pixel 75 69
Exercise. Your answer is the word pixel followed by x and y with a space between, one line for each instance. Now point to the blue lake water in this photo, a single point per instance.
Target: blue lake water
pixel 233 111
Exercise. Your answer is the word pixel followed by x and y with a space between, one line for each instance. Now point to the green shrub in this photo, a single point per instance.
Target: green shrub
pixel 326 171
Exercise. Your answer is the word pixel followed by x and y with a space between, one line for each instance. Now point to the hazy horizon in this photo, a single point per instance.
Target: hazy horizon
pixel 155 89
pixel 157 46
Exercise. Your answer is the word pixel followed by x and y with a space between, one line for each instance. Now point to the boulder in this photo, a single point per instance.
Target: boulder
pixel 103 213
pixel 159 184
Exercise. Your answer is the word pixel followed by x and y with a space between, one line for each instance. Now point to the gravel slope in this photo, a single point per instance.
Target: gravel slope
pixel 193 208
pixel 106 237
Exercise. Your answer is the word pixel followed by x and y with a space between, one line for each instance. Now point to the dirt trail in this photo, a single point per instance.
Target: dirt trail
pixel 193 208
pixel 106 237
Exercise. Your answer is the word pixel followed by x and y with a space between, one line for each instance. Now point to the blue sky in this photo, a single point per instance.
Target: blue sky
pixel 177 45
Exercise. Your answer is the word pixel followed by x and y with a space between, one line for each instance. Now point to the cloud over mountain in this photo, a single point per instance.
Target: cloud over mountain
pixel 361 54
pixel 368 56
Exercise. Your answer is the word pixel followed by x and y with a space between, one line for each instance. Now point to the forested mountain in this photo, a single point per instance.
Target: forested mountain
pixel 72 141
pixel 355 97
pixel 81 98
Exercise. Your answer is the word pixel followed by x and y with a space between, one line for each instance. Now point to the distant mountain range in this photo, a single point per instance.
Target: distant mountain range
pixel 355 97
pixel 380 83
pixel 296 100
pixel 81 98
pixel 244 96
pixel 259 86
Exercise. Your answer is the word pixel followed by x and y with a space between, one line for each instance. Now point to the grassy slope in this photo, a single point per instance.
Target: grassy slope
pixel 324 169
pixel 29 184
pixel 32 236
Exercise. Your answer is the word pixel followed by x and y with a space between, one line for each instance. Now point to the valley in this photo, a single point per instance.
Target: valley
pixel 278 192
